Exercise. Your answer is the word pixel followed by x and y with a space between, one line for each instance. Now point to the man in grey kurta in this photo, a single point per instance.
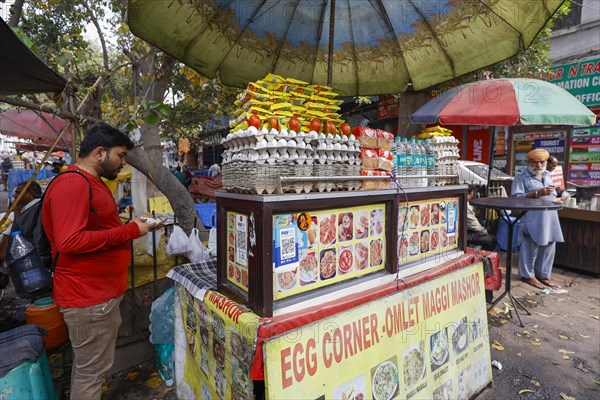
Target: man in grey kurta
pixel 539 230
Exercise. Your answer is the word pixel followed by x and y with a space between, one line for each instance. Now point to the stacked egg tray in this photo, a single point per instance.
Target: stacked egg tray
pixel 446 160
pixel 249 177
pixel 271 147
pixel 254 161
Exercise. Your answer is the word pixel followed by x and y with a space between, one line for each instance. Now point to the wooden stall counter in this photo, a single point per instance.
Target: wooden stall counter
pixel 581 248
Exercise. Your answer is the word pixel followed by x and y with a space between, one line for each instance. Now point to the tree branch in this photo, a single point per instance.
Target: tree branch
pixel 16 15
pixel 100 34
pixel 52 110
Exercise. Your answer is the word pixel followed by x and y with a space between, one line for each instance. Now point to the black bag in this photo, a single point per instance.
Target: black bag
pixel 29 222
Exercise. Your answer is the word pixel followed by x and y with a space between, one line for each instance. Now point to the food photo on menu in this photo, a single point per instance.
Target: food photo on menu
pixel 345 227
pixel 327 229
pixel 438 348
pixel 413 364
pixel 414 217
pixel 328 263
pixel 442 212
pixel 376 222
pixel 308 268
pixel 385 380
pixel 361 224
pixel 354 389
pixel 361 250
pixel 346 259
pixel 376 253
pixel 425 217
pixel 435 214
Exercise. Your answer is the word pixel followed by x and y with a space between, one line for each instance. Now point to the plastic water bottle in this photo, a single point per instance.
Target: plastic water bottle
pixel 401 155
pixel 409 162
pixel 25 267
pixel 416 164
pixel 394 150
pixel 422 182
pixel 430 161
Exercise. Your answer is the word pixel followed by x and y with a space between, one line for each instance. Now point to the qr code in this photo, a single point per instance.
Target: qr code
pixel 287 240
pixel 240 242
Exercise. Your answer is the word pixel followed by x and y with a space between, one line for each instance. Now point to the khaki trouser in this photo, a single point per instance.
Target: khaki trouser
pixel 93 334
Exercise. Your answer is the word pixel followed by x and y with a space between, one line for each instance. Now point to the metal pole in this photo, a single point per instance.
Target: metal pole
pixel 331 43
pixel 493 130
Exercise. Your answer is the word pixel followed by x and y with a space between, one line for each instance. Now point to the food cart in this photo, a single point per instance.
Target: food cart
pixel 324 290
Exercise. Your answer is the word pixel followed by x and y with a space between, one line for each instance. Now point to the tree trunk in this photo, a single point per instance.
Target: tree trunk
pixel 16 15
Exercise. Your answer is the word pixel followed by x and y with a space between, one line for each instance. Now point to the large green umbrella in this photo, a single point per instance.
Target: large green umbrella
pixel 370 46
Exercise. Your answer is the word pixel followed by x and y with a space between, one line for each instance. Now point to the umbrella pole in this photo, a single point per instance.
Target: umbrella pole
pixel 331 43
pixel 493 131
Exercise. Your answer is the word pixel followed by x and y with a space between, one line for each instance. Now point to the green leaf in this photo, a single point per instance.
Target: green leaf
pixel 151 119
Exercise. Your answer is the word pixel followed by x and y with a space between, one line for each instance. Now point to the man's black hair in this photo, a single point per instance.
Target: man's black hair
pixel 34 188
pixel 551 159
pixel 473 188
pixel 103 135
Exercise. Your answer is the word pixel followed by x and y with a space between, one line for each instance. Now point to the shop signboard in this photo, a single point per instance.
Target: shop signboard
pixel 584 168
pixel 553 141
pixel 237 249
pixel 427 229
pixel 323 247
pixel 581 79
pixel 428 341
pixel 221 341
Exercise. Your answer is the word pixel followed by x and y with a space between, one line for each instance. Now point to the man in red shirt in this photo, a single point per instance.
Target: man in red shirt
pixel 90 276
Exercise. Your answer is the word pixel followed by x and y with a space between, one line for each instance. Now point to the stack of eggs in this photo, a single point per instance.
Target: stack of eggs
pixel 446 159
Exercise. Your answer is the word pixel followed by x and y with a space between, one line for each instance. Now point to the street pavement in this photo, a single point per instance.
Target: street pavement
pixel 556 355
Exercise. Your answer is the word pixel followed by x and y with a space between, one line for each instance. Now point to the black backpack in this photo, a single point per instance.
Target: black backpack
pixel 29 222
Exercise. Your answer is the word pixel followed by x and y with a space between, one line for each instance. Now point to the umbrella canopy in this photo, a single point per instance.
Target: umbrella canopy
pixel 505 102
pixel 21 70
pixel 29 124
pixel 373 47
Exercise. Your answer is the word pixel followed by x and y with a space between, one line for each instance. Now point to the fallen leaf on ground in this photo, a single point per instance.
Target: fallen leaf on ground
pixel 566 357
pixel 595 316
pixel 132 375
pixel 565 397
pixel 566 351
pixel 536 342
pixel 519 354
pixel 153 383
pixel 526 333
pixel 535 383
pixel 581 367
pixel 525 391
pixel 494 311
pixel 497 345
pixel 583 336
pixel 563 337
pixel 543 315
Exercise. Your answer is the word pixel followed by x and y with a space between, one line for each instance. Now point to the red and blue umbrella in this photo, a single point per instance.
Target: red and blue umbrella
pixel 505 102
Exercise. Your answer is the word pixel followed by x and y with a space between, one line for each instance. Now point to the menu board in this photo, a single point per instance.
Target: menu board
pixel 237 249
pixel 427 228
pixel 318 249
pixel 429 341
pixel 220 346
pixel 584 167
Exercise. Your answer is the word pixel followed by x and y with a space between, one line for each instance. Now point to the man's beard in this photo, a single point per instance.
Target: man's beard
pixel 109 172
pixel 536 171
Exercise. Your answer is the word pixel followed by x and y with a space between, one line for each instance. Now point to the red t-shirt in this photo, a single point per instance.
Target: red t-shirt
pixel 94 249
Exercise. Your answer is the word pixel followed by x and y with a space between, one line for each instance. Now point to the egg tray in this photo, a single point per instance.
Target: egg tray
pixel 338 170
pixel 249 177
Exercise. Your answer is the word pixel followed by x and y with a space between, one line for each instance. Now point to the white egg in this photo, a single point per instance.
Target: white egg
pixel 352 137
pixel 293 134
pixel 283 131
pixel 272 143
pixel 329 147
pixel 261 144
pixel 252 130
pixel 264 130
pixel 291 143
pixel 282 143
pixel 321 146
pixel 321 136
pixel 344 147
pixel 337 146
pixel 344 138
pixel 301 144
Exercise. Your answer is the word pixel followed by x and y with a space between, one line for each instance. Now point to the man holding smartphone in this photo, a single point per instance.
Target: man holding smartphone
pixel 80 218
pixel 539 230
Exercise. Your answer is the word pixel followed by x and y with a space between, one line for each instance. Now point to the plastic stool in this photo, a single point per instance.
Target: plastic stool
pixel 29 381
pixel 502 234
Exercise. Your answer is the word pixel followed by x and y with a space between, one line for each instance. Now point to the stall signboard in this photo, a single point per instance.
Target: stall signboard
pixel 221 341
pixel 316 249
pixel 427 229
pixel 584 168
pixel 581 79
pixel 237 249
pixel 428 341
pixel 552 141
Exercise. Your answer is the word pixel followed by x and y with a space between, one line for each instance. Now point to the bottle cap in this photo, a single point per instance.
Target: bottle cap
pixel 43 302
pixel 15 233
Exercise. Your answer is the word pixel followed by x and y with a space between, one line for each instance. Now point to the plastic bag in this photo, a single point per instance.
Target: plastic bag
pixel 163 353
pixel 198 252
pixel 156 234
pixel 162 318
pixel 178 242
pixel 212 242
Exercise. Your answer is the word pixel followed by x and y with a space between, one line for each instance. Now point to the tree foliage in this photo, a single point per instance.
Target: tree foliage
pixel 126 82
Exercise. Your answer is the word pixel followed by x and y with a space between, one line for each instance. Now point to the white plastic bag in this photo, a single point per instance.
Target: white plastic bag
pixel 198 252
pixel 212 242
pixel 179 243
pixel 157 235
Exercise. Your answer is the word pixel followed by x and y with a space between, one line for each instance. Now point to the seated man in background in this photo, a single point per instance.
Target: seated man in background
pixel 477 235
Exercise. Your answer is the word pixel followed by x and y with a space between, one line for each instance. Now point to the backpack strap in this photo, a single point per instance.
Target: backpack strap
pixel 91 197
